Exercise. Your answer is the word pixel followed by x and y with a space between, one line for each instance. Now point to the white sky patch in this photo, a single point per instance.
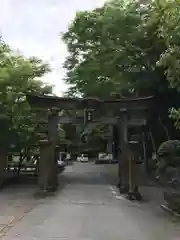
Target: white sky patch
pixel 34 26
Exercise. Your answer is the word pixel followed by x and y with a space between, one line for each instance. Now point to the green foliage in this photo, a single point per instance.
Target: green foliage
pixel 169 30
pixel 115 49
pixel 125 48
pixel 96 134
pixel 175 115
pixel 19 76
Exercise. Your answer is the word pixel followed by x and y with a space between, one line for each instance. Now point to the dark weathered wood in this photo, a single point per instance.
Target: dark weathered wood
pixel 140 104
pixel 123 112
pixel 105 120
pixel 145 157
pixel 3 163
pixel 123 161
pixel 47 167
pixel 51 101
pixel 53 137
pixel 53 120
pixel 43 165
pixel 81 103
pixel 48 161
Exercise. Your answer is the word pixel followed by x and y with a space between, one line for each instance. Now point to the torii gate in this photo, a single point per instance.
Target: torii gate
pixel 123 113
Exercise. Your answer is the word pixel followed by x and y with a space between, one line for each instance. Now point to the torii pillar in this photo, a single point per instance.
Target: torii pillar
pixel 3 163
pixel 48 168
pixel 3 147
pixel 123 183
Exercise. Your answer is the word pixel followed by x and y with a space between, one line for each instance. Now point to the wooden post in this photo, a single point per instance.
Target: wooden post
pixel 118 153
pixel 123 160
pixel 48 161
pixel 43 165
pixel 109 146
pixel 53 137
pixel 116 139
pixel 3 163
pixel 144 143
pixel 133 193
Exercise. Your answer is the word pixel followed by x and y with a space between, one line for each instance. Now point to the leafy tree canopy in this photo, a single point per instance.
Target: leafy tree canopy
pixel 116 48
pixel 19 76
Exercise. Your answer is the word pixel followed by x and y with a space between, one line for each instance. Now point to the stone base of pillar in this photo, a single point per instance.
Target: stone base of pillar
pixel 124 188
pixel 53 171
pixel 134 194
pixel 124 180
pixel 48 175
pixel 123 183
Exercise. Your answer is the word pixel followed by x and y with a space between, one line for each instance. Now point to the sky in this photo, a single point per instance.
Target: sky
pixel 33 27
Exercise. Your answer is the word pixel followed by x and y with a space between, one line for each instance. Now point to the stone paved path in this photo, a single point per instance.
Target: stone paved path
pixel 87 207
